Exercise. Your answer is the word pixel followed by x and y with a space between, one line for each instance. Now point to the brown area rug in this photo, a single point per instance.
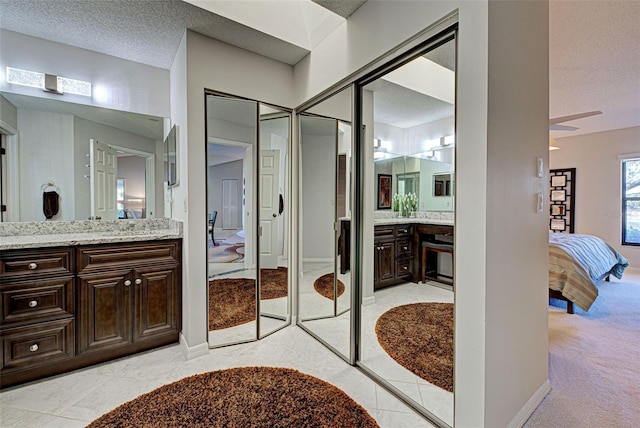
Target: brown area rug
pixel 232 301
pixel 242 397
pixel 419 337
pixel 324 286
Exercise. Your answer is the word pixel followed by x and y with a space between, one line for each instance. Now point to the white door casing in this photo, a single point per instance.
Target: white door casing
pixel 269 204
pixel 104 173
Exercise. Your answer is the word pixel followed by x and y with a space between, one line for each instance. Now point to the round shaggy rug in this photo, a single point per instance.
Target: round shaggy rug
pixel 242 397
pixel 324 286
pixel 232 301
pixel 419 337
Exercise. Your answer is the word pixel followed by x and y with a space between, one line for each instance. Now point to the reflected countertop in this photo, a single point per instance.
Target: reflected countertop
pixel 59 234
pixel 412 220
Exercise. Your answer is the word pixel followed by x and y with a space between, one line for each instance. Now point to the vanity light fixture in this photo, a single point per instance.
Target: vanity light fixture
pixel 48 82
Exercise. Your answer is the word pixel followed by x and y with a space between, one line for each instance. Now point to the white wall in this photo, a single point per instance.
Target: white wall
pixel 116 83
pixel 202 63
pixel 598 182
pixel 502 72
pixel 8 113
pixel 318 157
pixel 45 154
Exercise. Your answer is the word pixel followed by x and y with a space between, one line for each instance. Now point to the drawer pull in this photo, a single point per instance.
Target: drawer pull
pixel 33 266
pixel 127 282
pixel 34 347
pixel 33 303
pixel 403 230
pixel 138 281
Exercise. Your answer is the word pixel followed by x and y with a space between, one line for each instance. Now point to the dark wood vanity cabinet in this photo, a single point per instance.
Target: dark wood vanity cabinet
pixel 128 296
pixel 37 315
pixel 393 255
pixel 66 308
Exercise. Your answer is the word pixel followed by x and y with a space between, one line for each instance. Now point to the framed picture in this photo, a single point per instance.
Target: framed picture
pixel 558 195
pixel 558 224
pixel 557 210
pixel 558 180
pixel 384 192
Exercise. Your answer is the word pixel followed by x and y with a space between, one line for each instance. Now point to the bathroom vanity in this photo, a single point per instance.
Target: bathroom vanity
pixel 78 298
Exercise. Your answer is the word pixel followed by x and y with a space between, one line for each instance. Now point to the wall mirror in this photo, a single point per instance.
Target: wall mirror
pixel 426 174
pixel 50 149
pixel 406 315
pixel 247 186
pixel 324 285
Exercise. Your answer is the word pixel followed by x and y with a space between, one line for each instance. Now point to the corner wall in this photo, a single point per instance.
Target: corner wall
pixel 204 63
pixel 487 335
pixel 598 182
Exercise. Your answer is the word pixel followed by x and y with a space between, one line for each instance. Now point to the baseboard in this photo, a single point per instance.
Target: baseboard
pixel 194 351
pixel 530 406
pixel 368 300
pixel 317 260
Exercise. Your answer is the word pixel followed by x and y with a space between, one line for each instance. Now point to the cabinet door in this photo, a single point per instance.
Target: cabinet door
pixel 157 303
pixel 386 263
pixel 104 316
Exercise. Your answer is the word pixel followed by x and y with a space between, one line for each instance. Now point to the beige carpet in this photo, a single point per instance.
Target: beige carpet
pixel 594 361
pixel 242 397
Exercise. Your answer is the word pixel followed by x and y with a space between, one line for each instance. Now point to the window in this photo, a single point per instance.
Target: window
pixel 631 202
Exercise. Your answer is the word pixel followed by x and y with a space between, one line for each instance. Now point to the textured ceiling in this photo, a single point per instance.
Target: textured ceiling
pixel 145 31
pixel 594 54
pixel 344 8
pixel 398 106
pixel 594 64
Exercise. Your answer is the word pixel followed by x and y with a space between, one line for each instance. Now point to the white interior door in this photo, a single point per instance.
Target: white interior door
pixel 104 172
pixel 269 203
pixel 229 204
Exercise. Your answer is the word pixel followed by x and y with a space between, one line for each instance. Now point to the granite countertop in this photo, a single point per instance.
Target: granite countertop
pixel 39 234
pixel 412 220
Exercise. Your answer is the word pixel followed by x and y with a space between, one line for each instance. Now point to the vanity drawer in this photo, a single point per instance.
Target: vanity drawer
pixel 404 268
pixel 19 264
pixel 380 231
pixel 38 344
pixel 35 301
pixel 403 247
pixel 98 258
pixel 404 230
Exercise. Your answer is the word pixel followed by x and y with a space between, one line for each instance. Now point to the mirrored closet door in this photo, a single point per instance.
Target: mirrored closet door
pixel 246 155
pixel 324 285
pixel 408 179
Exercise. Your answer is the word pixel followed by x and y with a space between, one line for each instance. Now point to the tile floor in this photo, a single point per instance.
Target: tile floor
pixel 74 399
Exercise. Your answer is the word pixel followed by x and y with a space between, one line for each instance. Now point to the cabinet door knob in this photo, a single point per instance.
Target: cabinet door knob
pixel 127 282
pixel 33 303
pixel 138 281
pixel 34 347
pixel 405 248
pixel 33 266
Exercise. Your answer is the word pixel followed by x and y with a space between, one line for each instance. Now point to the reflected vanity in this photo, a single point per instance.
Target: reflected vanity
pixel 247 186
pixel 397 227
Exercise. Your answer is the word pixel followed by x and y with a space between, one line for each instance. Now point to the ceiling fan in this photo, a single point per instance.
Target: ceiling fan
pixel 553 122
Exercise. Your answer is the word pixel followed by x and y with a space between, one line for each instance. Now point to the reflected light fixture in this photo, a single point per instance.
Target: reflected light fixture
pixel 553 145
pixel 48 82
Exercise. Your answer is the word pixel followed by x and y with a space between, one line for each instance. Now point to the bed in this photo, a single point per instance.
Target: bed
pixel 577 263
